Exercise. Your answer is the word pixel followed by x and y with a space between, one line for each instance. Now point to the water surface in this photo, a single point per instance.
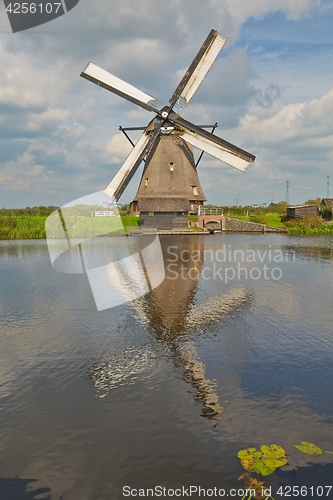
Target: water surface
pixel 166 389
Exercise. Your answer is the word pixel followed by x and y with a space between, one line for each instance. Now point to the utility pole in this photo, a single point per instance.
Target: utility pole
pixel 287 192
pixel 328 187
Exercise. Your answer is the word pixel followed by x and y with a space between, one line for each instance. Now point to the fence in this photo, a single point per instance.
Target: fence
pixel 104 213
pixel 210 211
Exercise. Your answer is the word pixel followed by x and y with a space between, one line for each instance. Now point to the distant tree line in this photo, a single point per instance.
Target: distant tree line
pixel 41 210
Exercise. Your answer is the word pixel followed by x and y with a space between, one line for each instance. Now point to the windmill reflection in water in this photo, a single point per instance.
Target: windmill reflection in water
pixel 170 312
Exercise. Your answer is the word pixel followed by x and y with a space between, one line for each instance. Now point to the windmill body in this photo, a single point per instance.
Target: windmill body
pixel 170 188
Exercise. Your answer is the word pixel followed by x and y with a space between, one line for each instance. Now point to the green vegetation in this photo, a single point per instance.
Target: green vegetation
pixel 29 223
pixel 264 462
pixel 250 211
pixel 16 227
pixel 309 226
pixel 270 219
pixel 310 448
pixel 124 209
pixel 275 214
pixel 130 221
pixel 42 211
pixel 271 215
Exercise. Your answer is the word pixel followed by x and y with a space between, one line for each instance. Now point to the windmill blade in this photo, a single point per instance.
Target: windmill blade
pixel 199 68
pixel 114 84
pixel 213 145
pixel 118 184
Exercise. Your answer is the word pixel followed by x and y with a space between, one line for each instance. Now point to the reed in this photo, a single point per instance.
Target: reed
pixel 15 227
pixel 24 227
pixel 300 230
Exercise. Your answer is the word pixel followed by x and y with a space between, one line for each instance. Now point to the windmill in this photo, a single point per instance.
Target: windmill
pixel 170 186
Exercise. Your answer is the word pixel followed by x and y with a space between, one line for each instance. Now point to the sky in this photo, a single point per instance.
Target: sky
pixel 270 90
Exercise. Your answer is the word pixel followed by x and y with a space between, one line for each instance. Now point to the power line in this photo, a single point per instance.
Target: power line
pixel 328 187
pixel 287 191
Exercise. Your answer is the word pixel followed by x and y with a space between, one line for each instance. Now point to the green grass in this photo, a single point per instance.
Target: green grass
pixel 22 227
pixel 311 231
pixel 239 217
pixel 16 227
pixel 130 221
pixel 273 220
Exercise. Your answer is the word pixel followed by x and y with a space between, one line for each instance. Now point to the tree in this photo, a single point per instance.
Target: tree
pixel 317 201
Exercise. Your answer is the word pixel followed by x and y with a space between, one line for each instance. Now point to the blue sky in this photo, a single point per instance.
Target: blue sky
pixel 270 90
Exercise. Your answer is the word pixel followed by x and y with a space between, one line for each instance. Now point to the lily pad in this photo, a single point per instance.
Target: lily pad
pixel 247 464
pixel 309 448
pixel 262 468
pixel 248 453
pixel 273 451
pixel 274 462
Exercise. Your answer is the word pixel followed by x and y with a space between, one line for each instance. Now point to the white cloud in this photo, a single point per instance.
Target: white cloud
pixel 306 122
pixel 36 171
pixel 117 149
pixel 68 124
pixel 241 10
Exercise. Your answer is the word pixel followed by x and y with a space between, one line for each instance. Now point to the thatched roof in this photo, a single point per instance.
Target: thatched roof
pixel 163 204
pixel 160 179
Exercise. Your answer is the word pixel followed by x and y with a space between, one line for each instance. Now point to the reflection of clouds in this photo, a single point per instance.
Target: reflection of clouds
pixel 280 298
pixel 5 379
pixel 260 420
pixel 217 308
pixel 123 369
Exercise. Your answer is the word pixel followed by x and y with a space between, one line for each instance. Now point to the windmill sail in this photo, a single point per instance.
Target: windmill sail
pixel 119 182
pixel 169 122
pixel 114 84
pixel 220 152
pixel 214 145
pixel 199 68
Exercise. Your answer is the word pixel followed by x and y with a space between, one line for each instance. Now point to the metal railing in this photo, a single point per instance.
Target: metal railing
pixel 210 211
pixel 104 213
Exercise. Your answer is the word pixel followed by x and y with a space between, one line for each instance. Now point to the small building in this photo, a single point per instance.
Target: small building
pixel 164 213
pixel 326 208
pixel 298 212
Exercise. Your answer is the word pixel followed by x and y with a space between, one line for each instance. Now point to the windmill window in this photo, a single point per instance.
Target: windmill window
pixel 171 166
pixel 195 190
pixel 146 181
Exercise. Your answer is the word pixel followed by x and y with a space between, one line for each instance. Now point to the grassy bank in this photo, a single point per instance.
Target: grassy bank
pixel 301 230
pixel 23 227
pixel 22 224
pixel 310 226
